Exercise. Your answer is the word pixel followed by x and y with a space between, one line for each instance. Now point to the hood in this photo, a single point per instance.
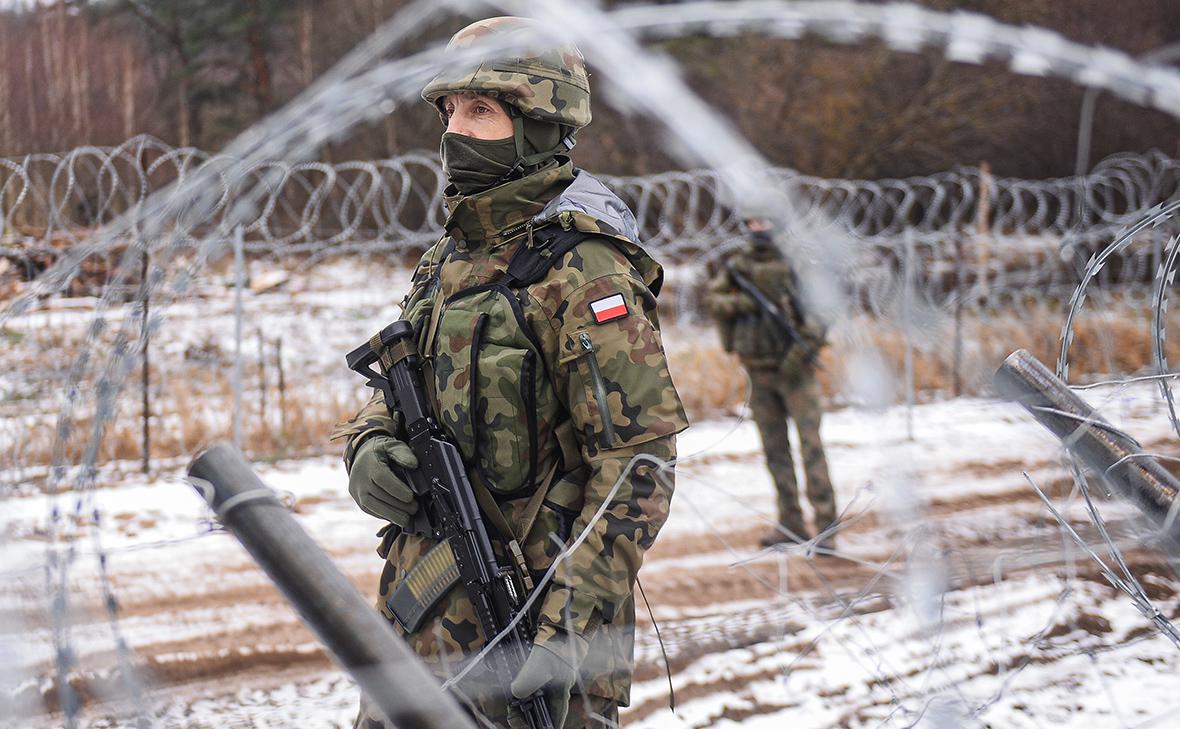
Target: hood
pixel 589 206
pixel 593 208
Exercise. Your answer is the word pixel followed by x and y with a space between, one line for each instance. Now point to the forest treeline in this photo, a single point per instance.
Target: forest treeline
pixel 198 72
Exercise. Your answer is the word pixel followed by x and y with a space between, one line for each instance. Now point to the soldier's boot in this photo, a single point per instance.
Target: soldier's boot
pixel 791 529
pixel 784 535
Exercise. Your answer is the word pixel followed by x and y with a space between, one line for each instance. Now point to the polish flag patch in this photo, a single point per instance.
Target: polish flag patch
pixel 608 309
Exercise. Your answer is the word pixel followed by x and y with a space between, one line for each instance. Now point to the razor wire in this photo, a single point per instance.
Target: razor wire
pixel 905 27
pixel 981 239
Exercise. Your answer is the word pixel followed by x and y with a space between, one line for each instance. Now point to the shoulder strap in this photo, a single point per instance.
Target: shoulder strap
pixel 544 249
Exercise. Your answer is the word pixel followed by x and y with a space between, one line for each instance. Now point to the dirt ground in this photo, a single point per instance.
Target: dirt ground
pixel 749 634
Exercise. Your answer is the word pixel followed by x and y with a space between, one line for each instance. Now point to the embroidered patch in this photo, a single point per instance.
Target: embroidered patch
pixel 608 309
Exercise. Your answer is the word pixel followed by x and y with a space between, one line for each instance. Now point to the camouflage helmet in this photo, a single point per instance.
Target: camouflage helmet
pixel 549 85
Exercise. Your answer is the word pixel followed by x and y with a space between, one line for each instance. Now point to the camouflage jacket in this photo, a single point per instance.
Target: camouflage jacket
pixel 746 329
pixel 562 383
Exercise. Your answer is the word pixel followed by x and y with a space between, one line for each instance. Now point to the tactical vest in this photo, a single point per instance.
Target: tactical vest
pixel 754 335
pixel 491 388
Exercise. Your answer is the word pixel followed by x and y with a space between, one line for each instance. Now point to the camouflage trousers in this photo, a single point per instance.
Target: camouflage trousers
pixel 585 712
pixel 776 394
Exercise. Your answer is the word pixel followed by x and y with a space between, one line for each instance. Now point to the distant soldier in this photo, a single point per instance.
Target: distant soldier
pixel 756 300
pixel 536 317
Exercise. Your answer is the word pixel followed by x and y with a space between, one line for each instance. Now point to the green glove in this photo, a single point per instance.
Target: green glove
pixel 547 671
pixel 374 483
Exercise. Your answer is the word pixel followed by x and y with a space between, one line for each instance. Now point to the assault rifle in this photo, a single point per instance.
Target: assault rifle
pixel 446 497
pixel 773 311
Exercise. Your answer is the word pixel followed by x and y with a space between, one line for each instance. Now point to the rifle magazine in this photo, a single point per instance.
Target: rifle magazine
pixel 431 578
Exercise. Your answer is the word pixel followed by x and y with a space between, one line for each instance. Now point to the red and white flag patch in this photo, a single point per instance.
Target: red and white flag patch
pixel 608 309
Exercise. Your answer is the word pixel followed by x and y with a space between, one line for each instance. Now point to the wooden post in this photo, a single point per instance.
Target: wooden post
pixel 239 285
pixel 6 145
pixel 957 354
pixel 261 383
pixel 906 321
pixel 983 214
pixel 306 66
pixel 282 388
pixel 145 334
pixel 130 83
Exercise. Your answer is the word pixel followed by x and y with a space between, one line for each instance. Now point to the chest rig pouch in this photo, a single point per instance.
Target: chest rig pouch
pixel 494 395
pixel 496 400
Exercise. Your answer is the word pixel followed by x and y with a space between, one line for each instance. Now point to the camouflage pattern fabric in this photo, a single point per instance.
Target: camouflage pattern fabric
pixel 511 367
pixel 549 84
pixel 585 712
pixel 746 329
pixel 782 383
pixel 775 395
pixel 590 712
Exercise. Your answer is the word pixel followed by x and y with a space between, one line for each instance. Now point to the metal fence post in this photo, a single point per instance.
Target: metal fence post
pixel 362 641
pixel 1114 455
pixel 239 285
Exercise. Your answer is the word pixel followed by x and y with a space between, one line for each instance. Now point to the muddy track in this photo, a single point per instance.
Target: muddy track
pixel 712 593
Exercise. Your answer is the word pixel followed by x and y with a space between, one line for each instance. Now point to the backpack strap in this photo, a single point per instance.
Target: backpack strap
pixel 541 252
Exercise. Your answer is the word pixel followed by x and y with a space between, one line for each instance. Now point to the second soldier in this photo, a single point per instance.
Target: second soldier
pixel 756 299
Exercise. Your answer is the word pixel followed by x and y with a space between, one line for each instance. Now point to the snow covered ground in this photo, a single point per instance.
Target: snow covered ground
pixel 954 600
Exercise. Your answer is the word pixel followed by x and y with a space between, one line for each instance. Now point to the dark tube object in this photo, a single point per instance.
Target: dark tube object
pixel 1131 473
pixel 360 639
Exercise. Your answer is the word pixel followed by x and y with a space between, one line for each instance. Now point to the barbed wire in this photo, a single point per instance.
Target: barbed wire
pixel 59 212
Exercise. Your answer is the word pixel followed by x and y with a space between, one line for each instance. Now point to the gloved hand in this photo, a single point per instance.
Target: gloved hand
pixel 550 672
pixel 375 485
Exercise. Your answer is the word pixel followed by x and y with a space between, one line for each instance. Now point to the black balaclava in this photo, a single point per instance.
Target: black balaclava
pixel 762 241
pixel 474 165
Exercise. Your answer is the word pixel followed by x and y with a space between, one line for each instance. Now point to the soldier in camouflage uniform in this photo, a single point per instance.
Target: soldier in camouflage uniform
pixel 556 390
pixel 782 375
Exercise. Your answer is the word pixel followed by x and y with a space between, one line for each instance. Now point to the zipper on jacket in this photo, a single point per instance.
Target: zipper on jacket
pixel 608 425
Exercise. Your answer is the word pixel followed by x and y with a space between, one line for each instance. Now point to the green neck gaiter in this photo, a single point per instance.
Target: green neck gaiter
pixel 472 165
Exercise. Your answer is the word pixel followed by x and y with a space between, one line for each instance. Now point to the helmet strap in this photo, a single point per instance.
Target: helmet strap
pixel 565 144
pixel 524 162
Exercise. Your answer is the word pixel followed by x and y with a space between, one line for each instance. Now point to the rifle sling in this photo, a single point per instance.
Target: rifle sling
pixel 491 509
pixel 424 348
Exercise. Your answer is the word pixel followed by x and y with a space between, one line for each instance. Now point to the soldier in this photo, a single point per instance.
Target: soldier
pixel 781 359
pixel 536 316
